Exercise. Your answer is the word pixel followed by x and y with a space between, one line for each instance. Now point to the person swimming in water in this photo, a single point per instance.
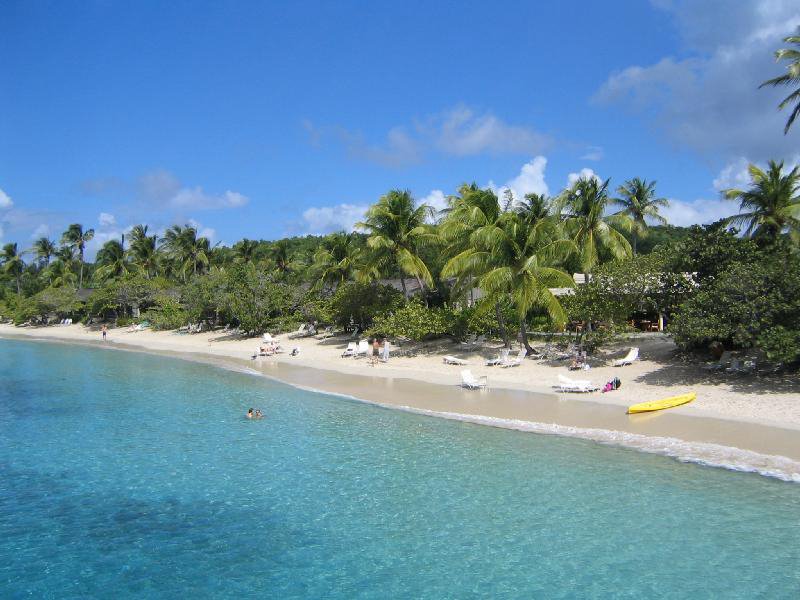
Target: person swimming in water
pixel 250 414
pixel 258 414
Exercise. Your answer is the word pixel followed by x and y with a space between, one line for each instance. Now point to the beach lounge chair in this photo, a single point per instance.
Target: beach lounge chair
pixel 350 350
pixel 267 338
pixel 326 333
pixel 300 332
pixel 515 362
pixel 363 348
pixel 469 381
pixel 470 340
pixel 720 365
pixel 565 384
pixel 501 358
pixel 633 354
pixel 452 360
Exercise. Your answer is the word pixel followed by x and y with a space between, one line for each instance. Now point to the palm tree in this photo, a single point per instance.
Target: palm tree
pixel 111 261
pixel 44 248
pixel 12 263
pixel 582 210
pixel 244 251
pixel 397 230
pixel 144 250
pixel 468 211
pixel 771 205
pixel 534 207
pixel 791 77
pixel 280 254
pixel 187 250
pixel 514 258
pixel 336 260
pixel 76 237
pixel 639 202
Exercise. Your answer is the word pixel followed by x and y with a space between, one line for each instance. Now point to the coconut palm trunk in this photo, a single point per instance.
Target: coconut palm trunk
pixel 501 322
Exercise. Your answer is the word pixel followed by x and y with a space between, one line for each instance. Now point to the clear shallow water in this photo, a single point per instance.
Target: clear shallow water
pixel 126 475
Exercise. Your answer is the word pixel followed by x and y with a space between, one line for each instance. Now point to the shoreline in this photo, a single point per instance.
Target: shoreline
pixel 761 446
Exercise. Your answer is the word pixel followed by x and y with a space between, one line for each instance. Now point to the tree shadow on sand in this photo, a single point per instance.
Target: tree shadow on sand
pixel 687 373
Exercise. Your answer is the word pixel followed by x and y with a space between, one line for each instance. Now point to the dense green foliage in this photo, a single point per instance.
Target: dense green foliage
pixel 483 265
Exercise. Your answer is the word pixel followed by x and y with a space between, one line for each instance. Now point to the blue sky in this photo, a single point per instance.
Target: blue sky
pixel 262 120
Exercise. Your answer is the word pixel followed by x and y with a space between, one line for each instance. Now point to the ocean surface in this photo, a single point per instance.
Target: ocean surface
pixel 124 475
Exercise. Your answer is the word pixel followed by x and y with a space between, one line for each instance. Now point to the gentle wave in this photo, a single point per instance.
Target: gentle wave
pixel 702 453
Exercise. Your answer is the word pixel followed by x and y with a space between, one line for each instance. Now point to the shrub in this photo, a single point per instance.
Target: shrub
pixel 415 321
pixel 357 304
pixel 166 314
pixel 753 304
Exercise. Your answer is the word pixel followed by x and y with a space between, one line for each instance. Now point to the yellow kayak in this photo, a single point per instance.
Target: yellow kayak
pixel 662 404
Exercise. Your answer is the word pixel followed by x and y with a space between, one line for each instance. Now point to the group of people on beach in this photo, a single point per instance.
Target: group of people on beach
pixel 254 414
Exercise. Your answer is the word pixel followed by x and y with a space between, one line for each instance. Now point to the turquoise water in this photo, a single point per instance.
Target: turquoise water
pixel 126 475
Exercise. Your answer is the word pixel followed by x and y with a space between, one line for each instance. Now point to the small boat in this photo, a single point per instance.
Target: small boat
pixel 670 402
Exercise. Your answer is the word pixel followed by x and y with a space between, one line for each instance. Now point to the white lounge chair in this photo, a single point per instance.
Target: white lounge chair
pixel 300 331
pixel 350 350
pixel 470 340
pixel 720 365
pixel 633 354
pixel 267 338
pixel 363 348
pixel 565 384
pixel 452 360
pixel 516 361
pixel 501 358
pixel 469 381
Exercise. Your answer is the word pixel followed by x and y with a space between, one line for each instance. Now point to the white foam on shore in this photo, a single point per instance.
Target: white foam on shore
pixel 702 453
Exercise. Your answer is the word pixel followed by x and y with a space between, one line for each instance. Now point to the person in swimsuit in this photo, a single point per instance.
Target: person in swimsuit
pixel 104 329
pixel 258 414
pixel 250 414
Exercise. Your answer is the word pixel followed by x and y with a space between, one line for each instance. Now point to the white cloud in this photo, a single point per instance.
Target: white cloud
pixel 106 219
pixel 206 232
pixel 530 180
pixel 436 200
pixel 584 173
pixel 462 132
pixel 698 212
pixel 736 173
pixel 164 189
pixel 710 101
pixel 5 200
pixel 319 220
pixel 43 230
pixel 459 131
pixel 593 153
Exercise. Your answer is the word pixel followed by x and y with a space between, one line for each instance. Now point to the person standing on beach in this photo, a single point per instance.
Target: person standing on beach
pixel 104 329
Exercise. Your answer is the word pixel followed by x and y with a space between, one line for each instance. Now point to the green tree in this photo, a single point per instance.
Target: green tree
pixel 639 202
pixel 13 264
pixel 143 251
pixel 45 249
pixel 255 300
pixel 582 208
pixel 336 260
pixel 397 230
pixel 189 252
pixel 514 258
pixel 111 261
pixel 245 250
pixel 771 205
pixel 791 77
pixel 76 237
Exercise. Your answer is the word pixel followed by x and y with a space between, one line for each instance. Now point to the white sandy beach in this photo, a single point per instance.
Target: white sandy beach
pixel 738 422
